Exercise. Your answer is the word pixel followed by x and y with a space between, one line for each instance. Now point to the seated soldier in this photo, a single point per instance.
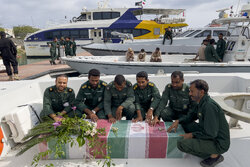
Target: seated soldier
pixel 119 99
pixel 141 56
pixel 58 100
pixel 210 137
pixel 180 105
pixel 90 96
pixel 147 97
pixel 130 55
pixel 156 56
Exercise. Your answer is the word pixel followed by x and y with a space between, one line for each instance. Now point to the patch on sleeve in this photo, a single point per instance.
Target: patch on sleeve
pixel 151 84
pixel 169 85
pixel 51 89
pixel 135 87
pixel 84 86
pixel 104 83
pixel 70 90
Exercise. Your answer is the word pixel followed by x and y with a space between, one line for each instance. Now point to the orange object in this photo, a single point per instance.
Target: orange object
pixel 1 143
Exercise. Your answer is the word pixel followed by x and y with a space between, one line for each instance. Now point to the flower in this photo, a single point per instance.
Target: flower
pixel 114 129
pixel 73 108
pixel 56 124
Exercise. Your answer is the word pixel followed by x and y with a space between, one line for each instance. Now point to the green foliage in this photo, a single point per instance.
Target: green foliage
pixel 22 31
pixel 2 29
pixel 69 131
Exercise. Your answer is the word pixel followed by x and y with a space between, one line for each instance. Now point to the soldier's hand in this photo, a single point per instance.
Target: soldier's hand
pixel 149 115
pixel 94 117
pixel 155 121
pixel 112 120
pixel 187 135
pixel 173 126
pixel 138 119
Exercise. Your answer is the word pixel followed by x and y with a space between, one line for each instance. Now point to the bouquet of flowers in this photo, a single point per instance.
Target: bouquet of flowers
pixel 68 130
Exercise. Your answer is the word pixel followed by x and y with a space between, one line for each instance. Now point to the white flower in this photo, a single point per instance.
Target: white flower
pixel 88 132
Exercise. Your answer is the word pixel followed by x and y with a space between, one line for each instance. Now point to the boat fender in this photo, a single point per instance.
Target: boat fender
pixel 1 141
pixel 135 87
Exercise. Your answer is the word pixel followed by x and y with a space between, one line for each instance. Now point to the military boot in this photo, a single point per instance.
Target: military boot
pixel 16 77
pixel 10 78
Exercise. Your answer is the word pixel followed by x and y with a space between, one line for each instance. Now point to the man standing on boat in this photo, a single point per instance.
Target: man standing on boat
pixel 221 46
pixel 8 53
pixel 180 105
pixel 119 99
pixel 90 96
pixel 210 52
pixel 147 97
pixel 168 35
pixel 68 47
pixel 210 137
pixel 74 47
pixel 53 47
pixel 58 100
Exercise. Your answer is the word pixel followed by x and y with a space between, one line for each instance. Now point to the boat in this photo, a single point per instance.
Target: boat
pixel 29 93
pixel 187 42
pixel 97 24
pixel 236 58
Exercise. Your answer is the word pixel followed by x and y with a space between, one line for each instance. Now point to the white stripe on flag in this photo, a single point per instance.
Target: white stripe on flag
pixel 76 152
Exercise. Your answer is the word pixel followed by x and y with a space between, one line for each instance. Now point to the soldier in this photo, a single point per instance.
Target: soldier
pixel 58 99
pixel 221 46
pixel 210 53
pixel 156 56
pixel 90 96
pixel 201 52
pixel 119 99
pixel 180 104
pixel 141 56
pixel 210 137
pixel 147 97
pixel 169 35
pixel 74 47
pixel 53 46
pixel 68 47
pixel 8 52
pixel 61 43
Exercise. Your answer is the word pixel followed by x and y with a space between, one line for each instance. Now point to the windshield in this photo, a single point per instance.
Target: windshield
pixel 184 33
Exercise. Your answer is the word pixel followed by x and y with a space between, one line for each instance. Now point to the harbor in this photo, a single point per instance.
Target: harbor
pixel 137 84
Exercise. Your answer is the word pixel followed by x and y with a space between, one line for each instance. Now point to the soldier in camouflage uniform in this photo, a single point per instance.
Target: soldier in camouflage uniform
pixel 147 97
pixel 221 46
pixel 180 103
pixel 210 137
pixel 119 99
pixel 53 46
pixel 68 47
pixel 74 47
pixel 90 96
pixel 58 99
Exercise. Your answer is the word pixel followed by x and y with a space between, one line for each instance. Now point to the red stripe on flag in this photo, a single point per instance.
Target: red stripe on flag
pixel 101 123
pixel 43 146
pixel 158 139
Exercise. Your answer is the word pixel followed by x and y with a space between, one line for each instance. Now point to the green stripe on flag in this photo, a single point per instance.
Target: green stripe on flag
pixel 51 145
pixel 119 144
pixel 172 150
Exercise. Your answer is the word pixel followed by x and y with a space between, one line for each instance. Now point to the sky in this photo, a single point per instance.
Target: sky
pixel 41 13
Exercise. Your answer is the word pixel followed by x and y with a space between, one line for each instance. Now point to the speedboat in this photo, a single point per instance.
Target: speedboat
pixel 187 42
pixel 97 24
pixel 18 116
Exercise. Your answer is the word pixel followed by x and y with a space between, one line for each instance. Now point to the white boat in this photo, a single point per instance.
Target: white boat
pixel 16 97
pixel 187 42
pixel 97 25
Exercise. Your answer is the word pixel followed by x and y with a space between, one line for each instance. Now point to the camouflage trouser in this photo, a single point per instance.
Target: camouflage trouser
pixel 127 112
pixel 53 55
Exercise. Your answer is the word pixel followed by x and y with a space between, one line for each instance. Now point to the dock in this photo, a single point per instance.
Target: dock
pixel 35 70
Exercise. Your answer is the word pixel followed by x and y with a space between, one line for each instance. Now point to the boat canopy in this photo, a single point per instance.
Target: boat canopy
pixel 158 11
pixel 232 20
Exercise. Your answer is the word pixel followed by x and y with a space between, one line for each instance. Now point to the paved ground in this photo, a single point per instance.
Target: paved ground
pixel 35 69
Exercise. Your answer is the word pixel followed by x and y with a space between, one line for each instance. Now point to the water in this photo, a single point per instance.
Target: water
pixel 23 60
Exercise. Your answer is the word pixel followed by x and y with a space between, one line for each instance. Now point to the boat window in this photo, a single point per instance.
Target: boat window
pixel 246 32
pixel 89 17
pixel 157 31
pixel 203 34
pixel 56 34
pixel 74 33
pixel 193 33
pixel 65 33
pixel 136 32
pixel 97 15
pixel 95 34
pixel 48 35
pixel 143 31
pixel 184 33
pixel 84 34
pixel 82 17
pixel 106 15
pixel 217 32
pixel 127 31
pixel 115 15
pixel 100 33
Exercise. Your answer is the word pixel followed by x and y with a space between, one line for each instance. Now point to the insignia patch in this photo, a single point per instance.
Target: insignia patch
pixel 89 87
pixel 169 85
pixel 50 89
pixel 199 114
pixel 135 87
pixel 151 84
pixel 84 86
pixel 70 90
pixel 184 106
pixel 99 86
pixel 104 84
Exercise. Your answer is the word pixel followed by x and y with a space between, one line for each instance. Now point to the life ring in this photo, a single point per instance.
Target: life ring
pixel 1 141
